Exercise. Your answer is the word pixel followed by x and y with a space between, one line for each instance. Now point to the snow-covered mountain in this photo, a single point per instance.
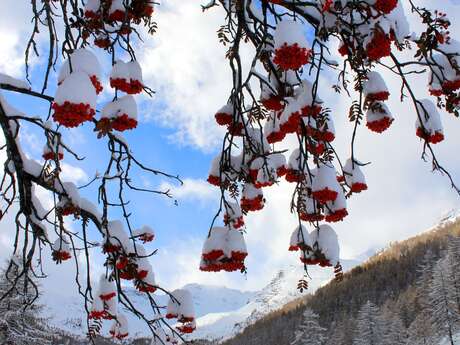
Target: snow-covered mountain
pixel 281 290
pixel 69 315
pixel 221 312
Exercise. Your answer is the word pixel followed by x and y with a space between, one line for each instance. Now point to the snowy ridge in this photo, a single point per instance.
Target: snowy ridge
pixel 206 298
pixel 450 217
pixel 282 289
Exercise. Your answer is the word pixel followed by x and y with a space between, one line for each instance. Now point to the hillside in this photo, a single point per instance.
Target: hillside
pixel 281 290
pixel 387 280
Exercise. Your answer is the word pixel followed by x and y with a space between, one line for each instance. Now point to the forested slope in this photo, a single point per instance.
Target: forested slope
pixel 390 280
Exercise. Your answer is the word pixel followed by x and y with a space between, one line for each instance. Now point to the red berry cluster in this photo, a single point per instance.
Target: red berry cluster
pixel 232 264
pixel 72 115
pixel 124 122
pixel 380 125
pixel 95 20
pixel 51 155
pixel 385 6
pixel 235 222
pixel 97 84
pixel 223 119
pixel 379 46
pixel 60 255
pixel 131 86
pixel 252 204
pixel 433 138
pixel 291 57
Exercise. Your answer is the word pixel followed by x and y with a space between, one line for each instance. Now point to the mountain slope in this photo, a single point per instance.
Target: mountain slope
pixel 281 290
pixel 387 280
pixel 207 299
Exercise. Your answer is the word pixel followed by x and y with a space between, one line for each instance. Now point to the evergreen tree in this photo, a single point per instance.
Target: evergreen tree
pixel 421 331
pixel 337 334
pixel 309 332
pixel 20 323
pixel 367 325
pixel 453 272
pixel 444 313
pixel 423 283
pixel 392 329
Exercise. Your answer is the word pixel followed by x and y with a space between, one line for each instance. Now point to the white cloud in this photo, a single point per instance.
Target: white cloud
pixel 15 28
pixel 73 174
pixel 192 190
pixel 186 65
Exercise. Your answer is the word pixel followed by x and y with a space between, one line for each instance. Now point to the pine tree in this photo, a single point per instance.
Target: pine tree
pixel 19 320
pixel 423 283
pixel 421 331
pixel 444 313
pixel 337 334
pixel 310 332
pixel 367 326
pixel 392 329
pixel 453 271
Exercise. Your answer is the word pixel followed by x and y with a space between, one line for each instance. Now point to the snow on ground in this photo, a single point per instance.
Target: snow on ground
pixel 446 340
pixel 450 217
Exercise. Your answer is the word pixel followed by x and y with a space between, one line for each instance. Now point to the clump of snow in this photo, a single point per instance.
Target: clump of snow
pixel 81 60
pixel 180 306
pixel 76 88
pixel 327 242
pixel 8 80
pixel 431 120
pixel 290 32
pixel 125 105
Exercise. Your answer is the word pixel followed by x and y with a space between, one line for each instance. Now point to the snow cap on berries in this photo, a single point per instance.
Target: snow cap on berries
pixel 308 105
pixel 107 288
pixel 52 151
pixel 233 215
pixel 117 10
pixel 82 60
pixel 75 100
pixel 294 172
pixel 61 250
pixel 378 117
pixel 122 112
pixel 91 9
pixel 354 176
pixel 325 186
pixel 272 130
pixel 117 238
pixel 336 210
pixel 145 234
pixel 119 329
pixel 180 306
pixel 252 198
pixel 224 116
pixel 309 209
pixel 125 105
pixel 97 309
pixel 327 243
pixel 291 46
pixel 374 87
pixel 430 126
pixel 215 245
pixel 127 77
pixel 236 245
pixel 300 239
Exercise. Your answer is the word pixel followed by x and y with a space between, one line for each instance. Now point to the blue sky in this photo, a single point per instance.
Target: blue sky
pixel 185 65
